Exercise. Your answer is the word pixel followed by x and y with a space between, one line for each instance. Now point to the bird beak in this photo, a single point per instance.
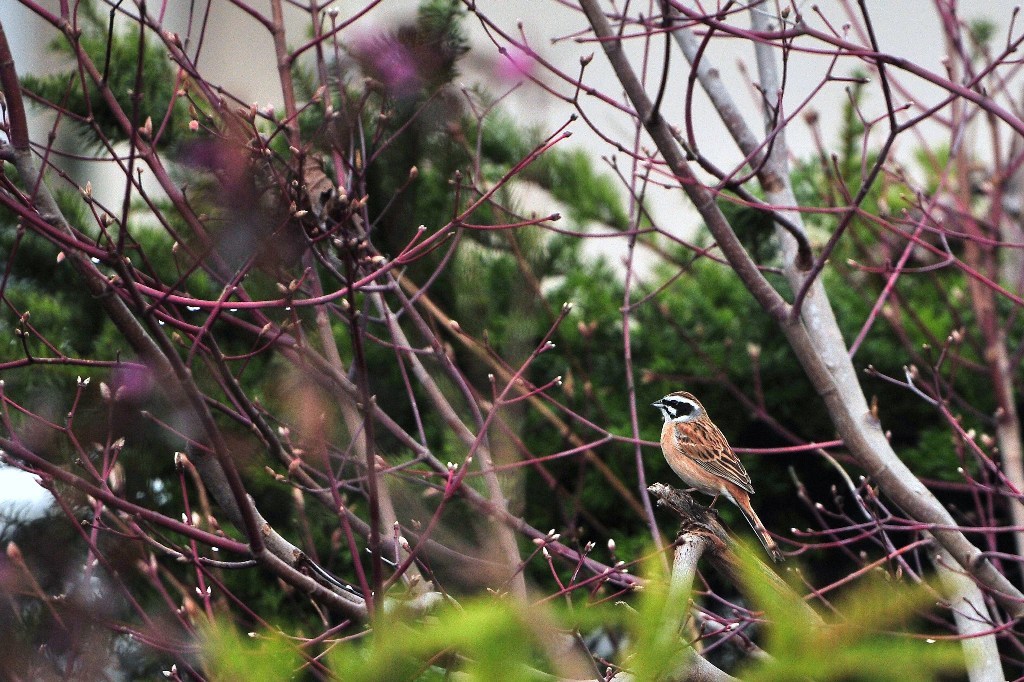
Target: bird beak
pixel 656 403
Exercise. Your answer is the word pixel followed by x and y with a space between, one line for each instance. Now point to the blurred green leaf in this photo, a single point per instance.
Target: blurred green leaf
pixel 231 656
pixel 657 648
pixel 484 639
pixel 872 638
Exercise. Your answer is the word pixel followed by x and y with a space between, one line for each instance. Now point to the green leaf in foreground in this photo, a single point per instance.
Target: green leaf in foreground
pixel 231 656
pixel 872 638
pixel 486 638
pixel 877 636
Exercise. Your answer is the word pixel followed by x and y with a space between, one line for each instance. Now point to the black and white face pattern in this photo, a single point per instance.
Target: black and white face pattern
pixel 677 408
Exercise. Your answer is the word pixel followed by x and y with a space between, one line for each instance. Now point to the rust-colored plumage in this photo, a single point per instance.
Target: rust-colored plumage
pixel 700 455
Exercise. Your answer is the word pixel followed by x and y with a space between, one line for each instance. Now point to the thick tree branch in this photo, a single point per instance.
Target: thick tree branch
pixel 973 621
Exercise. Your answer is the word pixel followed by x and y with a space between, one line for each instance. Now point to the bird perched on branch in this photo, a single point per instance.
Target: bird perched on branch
pixel 700 455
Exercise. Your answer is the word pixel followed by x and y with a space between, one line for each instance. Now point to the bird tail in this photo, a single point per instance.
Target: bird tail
pixel 762 534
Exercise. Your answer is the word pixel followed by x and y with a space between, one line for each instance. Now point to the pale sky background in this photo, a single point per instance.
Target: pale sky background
pixel 243 63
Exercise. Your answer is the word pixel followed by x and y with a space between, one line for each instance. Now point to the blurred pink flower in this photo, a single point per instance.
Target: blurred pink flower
pixel 514 65
pixel 133 382
pixel 391 62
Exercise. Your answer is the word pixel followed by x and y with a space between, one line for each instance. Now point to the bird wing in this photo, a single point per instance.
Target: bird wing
pixel 711 451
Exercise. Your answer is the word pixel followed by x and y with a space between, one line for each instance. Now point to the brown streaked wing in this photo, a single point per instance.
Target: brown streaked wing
pixel 705 445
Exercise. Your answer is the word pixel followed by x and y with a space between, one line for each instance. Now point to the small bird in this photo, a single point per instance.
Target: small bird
pixel 700 455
